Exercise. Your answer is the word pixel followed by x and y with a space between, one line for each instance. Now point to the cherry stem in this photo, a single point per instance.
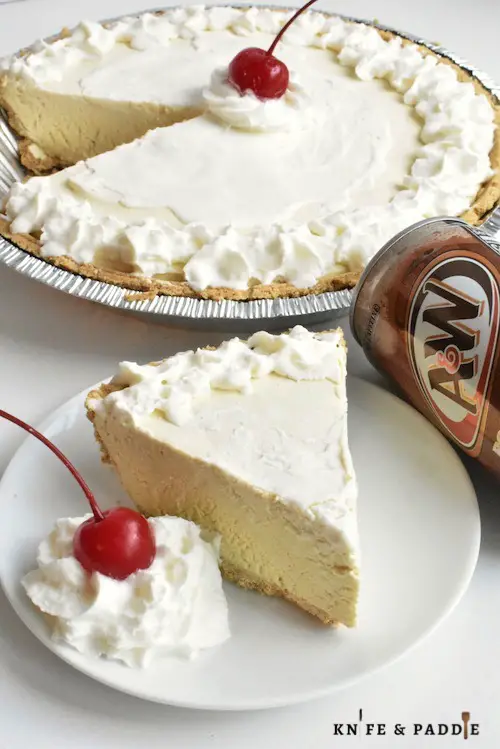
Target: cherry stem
pixel 287 25
pixel 93 504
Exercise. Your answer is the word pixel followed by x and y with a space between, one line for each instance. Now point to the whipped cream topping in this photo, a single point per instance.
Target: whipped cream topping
pixel 176 607
pixel 314 237
pixel 175 387
pixel 247 112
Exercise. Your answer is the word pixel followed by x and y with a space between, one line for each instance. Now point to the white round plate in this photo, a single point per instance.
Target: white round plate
pixel 420 532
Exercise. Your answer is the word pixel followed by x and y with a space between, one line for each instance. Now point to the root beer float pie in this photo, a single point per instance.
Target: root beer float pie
pixel 248 441
pixel 172 175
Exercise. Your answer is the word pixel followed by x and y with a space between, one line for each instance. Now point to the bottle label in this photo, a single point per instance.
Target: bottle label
pixel 452 330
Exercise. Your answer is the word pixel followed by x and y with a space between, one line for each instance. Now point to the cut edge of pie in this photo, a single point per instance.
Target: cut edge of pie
pixel 147 288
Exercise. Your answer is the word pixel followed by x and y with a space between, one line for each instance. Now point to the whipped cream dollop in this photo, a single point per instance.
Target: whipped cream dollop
pixel 174 387
pixel 442 177
pixel 248 112
pixel 175 607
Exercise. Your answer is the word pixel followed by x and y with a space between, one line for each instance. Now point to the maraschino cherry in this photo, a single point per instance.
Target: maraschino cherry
pixel 117 542
pixel 258 71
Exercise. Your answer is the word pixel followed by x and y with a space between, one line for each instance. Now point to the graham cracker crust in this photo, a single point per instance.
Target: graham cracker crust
pixel 236 576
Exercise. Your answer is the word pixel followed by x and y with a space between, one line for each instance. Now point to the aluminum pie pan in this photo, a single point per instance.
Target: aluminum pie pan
pixel 192 311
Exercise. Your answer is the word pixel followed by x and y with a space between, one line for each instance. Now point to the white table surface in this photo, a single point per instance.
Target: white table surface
pixel 52 346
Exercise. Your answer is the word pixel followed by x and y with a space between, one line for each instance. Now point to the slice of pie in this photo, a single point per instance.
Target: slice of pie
pixel 248 440
pixel 229 196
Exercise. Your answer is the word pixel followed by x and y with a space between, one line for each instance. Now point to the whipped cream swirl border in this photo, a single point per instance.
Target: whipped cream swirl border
pixel 176 386
pixel 450 166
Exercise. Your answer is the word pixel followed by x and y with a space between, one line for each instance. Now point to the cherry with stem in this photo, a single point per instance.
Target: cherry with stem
pixel 258 71
pixel 117 542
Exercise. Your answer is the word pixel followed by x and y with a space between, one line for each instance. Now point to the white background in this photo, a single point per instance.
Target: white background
pixel 52 346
